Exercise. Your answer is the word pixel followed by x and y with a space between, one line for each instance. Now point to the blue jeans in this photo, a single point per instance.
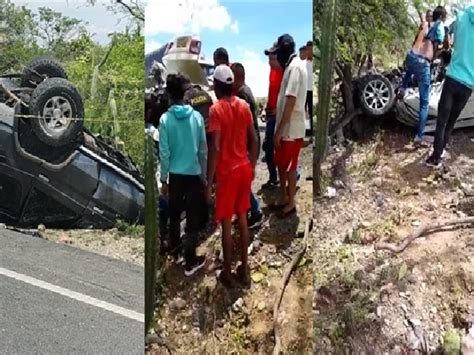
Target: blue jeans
pixel 254 205
pixel 269 150
pixel 420 68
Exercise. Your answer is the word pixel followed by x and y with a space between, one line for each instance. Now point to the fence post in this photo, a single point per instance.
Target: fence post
pixel 151 230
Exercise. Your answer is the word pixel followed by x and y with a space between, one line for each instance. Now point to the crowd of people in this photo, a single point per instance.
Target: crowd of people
pixel 432 39
pixel 211 156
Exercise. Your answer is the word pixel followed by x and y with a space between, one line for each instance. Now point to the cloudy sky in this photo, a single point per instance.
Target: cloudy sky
pixel 100 21
pixel 244 27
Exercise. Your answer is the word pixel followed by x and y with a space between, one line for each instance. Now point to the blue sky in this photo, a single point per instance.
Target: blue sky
pixel 244 28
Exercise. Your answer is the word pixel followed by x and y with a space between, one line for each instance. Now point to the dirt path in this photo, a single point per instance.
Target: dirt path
pixel 374 301
pixel 199 316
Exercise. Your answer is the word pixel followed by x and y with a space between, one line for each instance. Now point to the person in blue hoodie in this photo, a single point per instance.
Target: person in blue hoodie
pixel 183 169
pixel 458 84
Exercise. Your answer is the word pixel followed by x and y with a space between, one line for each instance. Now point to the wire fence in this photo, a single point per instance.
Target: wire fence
pixel 77 119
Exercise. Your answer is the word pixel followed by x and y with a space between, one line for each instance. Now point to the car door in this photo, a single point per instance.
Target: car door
pixel 15 179
pixel 60 194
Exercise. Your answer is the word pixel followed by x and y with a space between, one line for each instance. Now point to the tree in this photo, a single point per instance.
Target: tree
pixel 115 111
pixel 368 32
pixel 133 9
pixel 57 30
pixel 18 30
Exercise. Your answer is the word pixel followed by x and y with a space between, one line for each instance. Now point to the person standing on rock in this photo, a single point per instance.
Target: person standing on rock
pixel 183 161
pixel 418 62
pixel 290 121
pixel 242 90
pixel 458 84
pixel 231 124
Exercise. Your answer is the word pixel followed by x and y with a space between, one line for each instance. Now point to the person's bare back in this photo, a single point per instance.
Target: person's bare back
pixel 423 45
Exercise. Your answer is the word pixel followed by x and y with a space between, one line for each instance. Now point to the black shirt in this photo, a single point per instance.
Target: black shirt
pixel 245 93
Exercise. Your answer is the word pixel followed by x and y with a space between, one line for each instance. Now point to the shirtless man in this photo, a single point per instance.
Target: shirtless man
pixel 418 63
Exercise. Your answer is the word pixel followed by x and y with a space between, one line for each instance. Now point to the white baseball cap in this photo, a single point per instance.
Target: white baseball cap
pixel 223 74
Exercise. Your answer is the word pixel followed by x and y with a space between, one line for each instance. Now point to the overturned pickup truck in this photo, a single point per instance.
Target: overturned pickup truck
pixel 54 171
pixel 375 94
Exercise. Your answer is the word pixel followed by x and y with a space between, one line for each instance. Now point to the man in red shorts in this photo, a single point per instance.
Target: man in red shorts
pixel 290 121
pixel 231 125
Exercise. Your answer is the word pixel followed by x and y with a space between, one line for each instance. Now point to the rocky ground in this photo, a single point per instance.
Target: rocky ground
pixel 125 242
pixel 418 301
pixel 198 316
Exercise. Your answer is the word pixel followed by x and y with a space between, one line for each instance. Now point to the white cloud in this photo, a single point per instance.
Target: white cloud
pixel 257 70
pixel 235 26
pixel 151 45
pixel 184 16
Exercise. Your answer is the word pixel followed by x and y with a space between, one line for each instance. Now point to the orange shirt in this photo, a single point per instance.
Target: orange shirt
pixel 231 116
pixel 276 76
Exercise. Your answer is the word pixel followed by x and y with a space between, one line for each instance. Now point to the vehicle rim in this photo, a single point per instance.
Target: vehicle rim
pixel 57 115
pixel 376 95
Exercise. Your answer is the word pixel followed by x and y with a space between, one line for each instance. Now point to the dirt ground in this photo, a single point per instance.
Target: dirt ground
pixel 197 315
pixel 127 245
pixel 376 302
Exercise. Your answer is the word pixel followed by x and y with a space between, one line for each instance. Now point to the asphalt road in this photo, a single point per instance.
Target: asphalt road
pixel 56 299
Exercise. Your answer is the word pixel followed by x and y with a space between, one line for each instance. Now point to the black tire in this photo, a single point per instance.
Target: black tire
pixel 377 95
pixel 41 68
pixel 56 96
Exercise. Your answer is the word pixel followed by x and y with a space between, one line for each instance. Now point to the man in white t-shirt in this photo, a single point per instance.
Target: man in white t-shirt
pixel 290 121
pixel 309 95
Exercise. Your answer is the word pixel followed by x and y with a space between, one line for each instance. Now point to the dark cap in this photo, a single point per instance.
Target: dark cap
pixel 284 41
pixel 309 44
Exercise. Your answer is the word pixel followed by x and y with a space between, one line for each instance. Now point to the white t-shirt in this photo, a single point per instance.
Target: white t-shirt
pixel 294 83
pixel 309 70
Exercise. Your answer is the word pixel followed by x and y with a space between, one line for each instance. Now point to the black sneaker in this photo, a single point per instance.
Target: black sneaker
pixel 255 220
pixel 433 163
pixel 198 264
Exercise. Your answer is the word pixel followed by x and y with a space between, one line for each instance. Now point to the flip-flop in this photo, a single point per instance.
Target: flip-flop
pixel 244 281
pixel 284 215
pixel 227 283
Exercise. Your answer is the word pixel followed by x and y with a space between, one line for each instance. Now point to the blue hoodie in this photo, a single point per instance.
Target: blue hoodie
pixel 183 147
pixel 461 67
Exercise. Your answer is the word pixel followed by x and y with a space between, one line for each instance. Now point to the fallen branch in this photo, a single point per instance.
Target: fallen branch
pixel 422 230
pixel 286 278
pixel 345 120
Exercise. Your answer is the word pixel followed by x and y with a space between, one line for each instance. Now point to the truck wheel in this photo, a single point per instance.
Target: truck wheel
pixel 377 95
pixel 59 112
pixel 41 68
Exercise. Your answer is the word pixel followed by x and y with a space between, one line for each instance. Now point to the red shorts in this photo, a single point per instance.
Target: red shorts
pixel 286 155
pixel 232 193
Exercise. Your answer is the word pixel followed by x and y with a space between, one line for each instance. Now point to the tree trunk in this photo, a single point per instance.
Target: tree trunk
pixel 328 55
pixel 151 230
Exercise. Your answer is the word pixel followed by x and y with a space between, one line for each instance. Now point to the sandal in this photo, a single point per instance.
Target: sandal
pixel 229 283
pixel 244 280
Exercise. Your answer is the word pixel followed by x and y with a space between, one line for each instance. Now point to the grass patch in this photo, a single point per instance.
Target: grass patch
pixel 130 230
